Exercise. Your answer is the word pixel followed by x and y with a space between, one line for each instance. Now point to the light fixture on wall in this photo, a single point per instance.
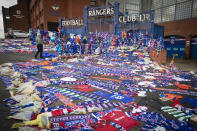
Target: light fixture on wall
pixel 55 7
pixel 55 11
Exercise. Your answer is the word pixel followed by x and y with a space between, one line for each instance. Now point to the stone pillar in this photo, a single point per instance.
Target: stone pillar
pixel 187 46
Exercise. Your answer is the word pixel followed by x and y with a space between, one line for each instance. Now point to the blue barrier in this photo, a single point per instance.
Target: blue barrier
pixel 176 46
pixel 193 51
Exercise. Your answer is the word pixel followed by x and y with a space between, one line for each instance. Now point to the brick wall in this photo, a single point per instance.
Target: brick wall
pixel 186 28
pixel 51 15
pixel 67 8
pixel 77 7
pixel 19 17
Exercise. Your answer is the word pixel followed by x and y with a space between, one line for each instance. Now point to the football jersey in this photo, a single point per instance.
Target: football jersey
pixel 121 118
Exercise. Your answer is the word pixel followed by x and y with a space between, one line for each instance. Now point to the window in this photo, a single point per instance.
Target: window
pixel 156 4
pixel 168 2
pixel 41 12
pixel 168 13
pixel 133 2
pixel 157 16
pixel 132 7
pixel 169 10
pixel 179 1
pixel 194 11
pixel 35 4
pixel 129 6
pixel 52 26
pixel 21 31
pixel 16 31
pixel 93 3
pixel 183 10
pixel 130 12
pixel 7 17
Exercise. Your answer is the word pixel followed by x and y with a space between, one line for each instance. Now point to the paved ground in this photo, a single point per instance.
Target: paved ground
pixel 20 57
pixel 9 57
pixel 185 64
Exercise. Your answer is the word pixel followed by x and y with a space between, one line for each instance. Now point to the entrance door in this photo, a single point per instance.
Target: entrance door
pixel 100 24
pixel 193 51
pixel 52 26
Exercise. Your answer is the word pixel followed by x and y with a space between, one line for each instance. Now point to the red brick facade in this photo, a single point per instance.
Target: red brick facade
pixel 41 11
pixel 186 28
pixel 19 17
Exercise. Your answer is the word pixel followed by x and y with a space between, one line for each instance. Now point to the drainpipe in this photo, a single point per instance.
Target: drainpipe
pixel 187 46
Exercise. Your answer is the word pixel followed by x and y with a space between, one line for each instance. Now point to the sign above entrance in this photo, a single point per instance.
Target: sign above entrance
pixel 101 11
pixel 111 19
pixel 133 18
